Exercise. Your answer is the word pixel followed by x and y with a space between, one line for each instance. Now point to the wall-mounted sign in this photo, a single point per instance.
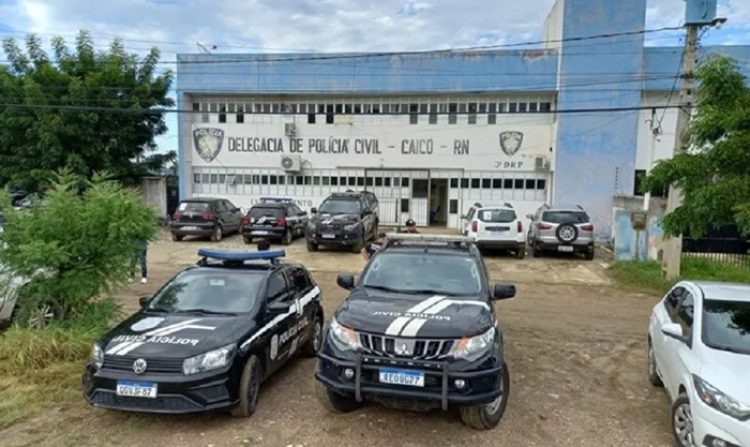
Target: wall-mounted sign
pixel 208 142
pixel 510 142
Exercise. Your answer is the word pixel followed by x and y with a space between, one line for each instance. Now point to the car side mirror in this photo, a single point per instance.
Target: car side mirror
pixel 673 330
pixel 277 307
pixel 345 281
pixel 313 210
pixel 530 216
pixel 503 291
pixel 143 301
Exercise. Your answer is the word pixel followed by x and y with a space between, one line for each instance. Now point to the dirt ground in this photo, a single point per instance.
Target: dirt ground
pixel 575 345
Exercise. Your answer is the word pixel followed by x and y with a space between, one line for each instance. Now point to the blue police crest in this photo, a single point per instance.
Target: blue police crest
pixel 208 142
pixel 510 142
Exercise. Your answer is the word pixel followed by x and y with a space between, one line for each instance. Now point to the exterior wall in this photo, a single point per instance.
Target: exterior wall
pixel 553 25
pixel 653 147
pixel 154 192
pixel 596 152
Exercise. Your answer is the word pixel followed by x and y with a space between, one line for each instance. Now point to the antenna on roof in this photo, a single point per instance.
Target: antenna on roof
pixel 204 49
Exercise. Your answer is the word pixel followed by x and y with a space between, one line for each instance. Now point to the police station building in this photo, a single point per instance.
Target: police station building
pixel 438 131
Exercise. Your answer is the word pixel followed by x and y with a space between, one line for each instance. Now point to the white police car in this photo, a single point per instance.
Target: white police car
pixel 208 338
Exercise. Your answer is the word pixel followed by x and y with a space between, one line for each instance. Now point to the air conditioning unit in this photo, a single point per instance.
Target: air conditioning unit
pixel 290 129
pixel 291 163
pixel 541 164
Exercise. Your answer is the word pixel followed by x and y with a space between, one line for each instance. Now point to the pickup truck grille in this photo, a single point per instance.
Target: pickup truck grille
pixel 422 349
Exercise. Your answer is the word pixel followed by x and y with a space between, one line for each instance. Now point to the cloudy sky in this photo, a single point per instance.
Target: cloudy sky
pixel 322 25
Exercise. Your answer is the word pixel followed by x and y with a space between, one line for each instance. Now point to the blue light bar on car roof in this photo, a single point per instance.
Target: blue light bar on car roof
pixel 227 255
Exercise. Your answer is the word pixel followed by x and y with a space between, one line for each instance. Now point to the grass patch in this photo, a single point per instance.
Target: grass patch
pixel 646 275
pixel 42 368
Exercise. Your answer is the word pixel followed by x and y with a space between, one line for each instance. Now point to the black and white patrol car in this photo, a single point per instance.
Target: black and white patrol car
pixel 208 337
pixel 419 331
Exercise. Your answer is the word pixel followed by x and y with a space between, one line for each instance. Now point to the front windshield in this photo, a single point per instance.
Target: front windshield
pixel 340 206
pixel 424 272
pixel 208 290
pixel 726 325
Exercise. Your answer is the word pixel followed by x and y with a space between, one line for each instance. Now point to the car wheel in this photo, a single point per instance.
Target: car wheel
pixel 590 254
pixel 357 246
pixel 486 416
pixel 521 252
pixel 653 375
pixel 312 246
pixel 249 388
pixel 682 421
pixel 218 234
pixel 332 401
pixel 41 316
pixel 287 239
pixel 535 252
pixel 313 345
pixel 176 237
pixel 247 239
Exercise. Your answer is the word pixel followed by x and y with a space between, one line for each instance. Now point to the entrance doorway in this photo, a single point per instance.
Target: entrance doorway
pixel 438 202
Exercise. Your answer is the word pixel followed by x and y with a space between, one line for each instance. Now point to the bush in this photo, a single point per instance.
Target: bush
pixel 76 243
pixel 646 276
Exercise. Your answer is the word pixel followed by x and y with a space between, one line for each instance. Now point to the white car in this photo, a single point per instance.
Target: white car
pixel 496 227
pixel 699 350
pixel 10 284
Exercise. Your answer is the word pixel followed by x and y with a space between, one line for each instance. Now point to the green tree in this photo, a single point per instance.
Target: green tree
pixel 715 173
pixel 83 109
pixel 75 245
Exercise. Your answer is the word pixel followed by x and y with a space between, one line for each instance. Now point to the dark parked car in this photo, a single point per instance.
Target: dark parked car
pixel 205 216
pixel 209 337
pixel 282 221
pixel 344 219
pixel 419 331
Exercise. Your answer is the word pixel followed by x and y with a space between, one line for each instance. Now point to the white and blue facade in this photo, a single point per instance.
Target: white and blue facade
pixel 438 131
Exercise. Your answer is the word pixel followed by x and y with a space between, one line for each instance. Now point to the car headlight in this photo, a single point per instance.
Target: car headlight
pixel 716 399
pixel 352 227
pixel 97 356
pixel 218 358
pixel 343 337
pixel 472 348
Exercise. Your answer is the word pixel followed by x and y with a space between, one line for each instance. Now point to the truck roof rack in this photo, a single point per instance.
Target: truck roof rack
pixel 229 257
pixel 428 240
pixel 267 199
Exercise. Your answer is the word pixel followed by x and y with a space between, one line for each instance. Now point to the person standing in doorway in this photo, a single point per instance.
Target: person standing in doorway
pixel 142 253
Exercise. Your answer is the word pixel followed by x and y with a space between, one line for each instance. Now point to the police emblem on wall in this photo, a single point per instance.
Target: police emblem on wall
pixel 510 142
pixel 208 142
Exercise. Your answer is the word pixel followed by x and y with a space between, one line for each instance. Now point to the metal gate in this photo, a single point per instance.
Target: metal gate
pixel 402 194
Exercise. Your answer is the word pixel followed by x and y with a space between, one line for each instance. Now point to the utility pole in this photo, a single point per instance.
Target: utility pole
pixel 672 254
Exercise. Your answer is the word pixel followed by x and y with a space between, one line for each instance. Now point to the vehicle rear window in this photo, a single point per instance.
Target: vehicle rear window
pixel 565 217
pixel 726 325
pixel 195 207
pixel 259 211
pixel 216 291
pixel 499 216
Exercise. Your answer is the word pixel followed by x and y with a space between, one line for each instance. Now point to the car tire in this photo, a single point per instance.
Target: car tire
pixel 332 401
pixel 521 252
pixel 249 389
pixel 535 252
pixel 42 315
pixel 288 238
pixel 653 375
pixel 218 234
pixel 357 246
pixel 312 246
pixel 487 416
pixel 682 421
pixel 247 239
pixel 311 348
pixel 590 254
pixel 176 237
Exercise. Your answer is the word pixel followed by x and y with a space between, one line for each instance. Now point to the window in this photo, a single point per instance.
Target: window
pixel 342 181
pixel 334 181
pixel 266 108
pixel 482 107
pixel 316 181
pixel 299 280
pixel 204 114
pixel 453 206
pixel 378 181
pixel 196 107
pixel 545 107
pixel 475 183
pixel 376 109
pixel 339 109
pixel 508 183
pixel 276 287
pixel 282 179
pixel 310 118
pixel 530 183
pixel 452 109
pixel 522 107
pixel 486 183
pixel 204 178
pixel 433 118
pixel 454 183
pixel 685 313
pixel 352 181
pixel 213 107
pixel 274 180
pixel 196 178
pixel 348 109
pixel 518 183
pixel 240 114
pixel 276 107
pixel 404 205
pixel 263 179
pixel 462 108
pixel 405 182
pixel 419 191
pixel 386 109
pixel 396 182
pixel 464 183
pixel 413 114
pixel 472 113
pixel 673 300
pixel 360 181
pixel 222 178
pixel 368 181
pixel 256 179
pixel 541 184
pixel 387 182
pixel 497 183
pixel 491 118
pixel 308 180
pixel 501 107
pixel 366 108
pixel 640 174
pixel 299 180
pixel 357 109
pixel 329 114
pixel 533 107
pixel 325 180
pixel 513 107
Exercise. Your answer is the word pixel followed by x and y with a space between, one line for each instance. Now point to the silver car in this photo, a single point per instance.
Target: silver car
pixel 561 229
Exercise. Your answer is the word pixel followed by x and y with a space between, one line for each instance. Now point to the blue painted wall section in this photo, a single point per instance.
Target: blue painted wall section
pixel 596 153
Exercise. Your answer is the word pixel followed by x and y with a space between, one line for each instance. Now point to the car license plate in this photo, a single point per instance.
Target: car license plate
pixel 565 248
pixel 328 236
pixel 498 229
pixel 188 228
pixel 402 377
pixel 260 232
pixel 136 389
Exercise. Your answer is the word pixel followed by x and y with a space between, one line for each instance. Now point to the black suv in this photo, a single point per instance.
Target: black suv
pixel 209 337
pixel 282 221
pixel 418 331
pixel 344 219
pixel 205 216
